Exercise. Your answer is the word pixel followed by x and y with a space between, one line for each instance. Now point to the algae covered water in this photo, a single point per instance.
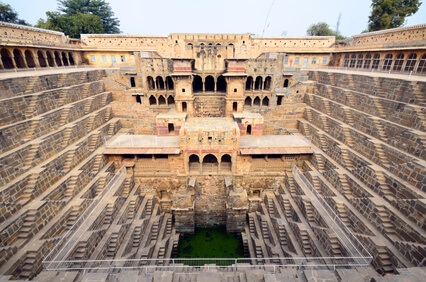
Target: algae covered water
pixel 210 243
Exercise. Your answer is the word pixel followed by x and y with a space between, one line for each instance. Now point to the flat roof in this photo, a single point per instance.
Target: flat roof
pixel 210 124
pixel 143 144
pixel 275 144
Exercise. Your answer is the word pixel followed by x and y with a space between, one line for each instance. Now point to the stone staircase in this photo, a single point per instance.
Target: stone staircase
pixel 71 184
pixel 310 217
pixel 378 146
pixel 385 260
pixel 34 123
pixel 69 160
pixel 28 160
pixel 343 215
pixel 64 115
pixel 112 246
pixel 344 185
pixel 28 266
pixel 380 130
pixel 282 235
pixel 73 216
pixel 306 243
pixel 30 109
pixel 93 141
pixel 387 224
pixel 136 238
pixel 265 230
pixel 30 85
pixel 97 163
pixel 66 137
pixel 348 138
pixel 346 158
pixel 28 226
pixel 379 107
pixel 348 116
pixel 109 214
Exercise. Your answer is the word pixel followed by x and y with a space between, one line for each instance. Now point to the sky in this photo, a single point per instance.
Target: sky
pixel 259 17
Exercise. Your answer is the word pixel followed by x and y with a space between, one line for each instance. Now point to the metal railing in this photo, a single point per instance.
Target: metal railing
pixel 62 248
pixel 194 264
pixel 353 245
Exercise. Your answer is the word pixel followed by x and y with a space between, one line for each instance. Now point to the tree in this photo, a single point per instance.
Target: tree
pixel 322 29
pixel 387 14
pixel 7 14
pixel 75 17
pixel 73 25
pixel 95 7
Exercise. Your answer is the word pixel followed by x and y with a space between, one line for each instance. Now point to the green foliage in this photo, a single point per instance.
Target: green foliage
pixel 77 17
pixel 95 7
pixel 323 29
pixel 8 14
pixel 72 25
pixel 387 14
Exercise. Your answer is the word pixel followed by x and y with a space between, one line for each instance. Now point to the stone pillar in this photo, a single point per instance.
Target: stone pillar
pixel 236 209
pixel 183 209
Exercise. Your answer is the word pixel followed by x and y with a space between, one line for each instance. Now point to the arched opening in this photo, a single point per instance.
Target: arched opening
pixel 41 59
pixel 221 84
pixel 360 60
pixel 50 60
pixel 71 59
pixel 258 83
pixel 399 60
pixel 353 60
pixel 265 101
pixel 422 64
pixel 256 101
pixel 210 163
pixel 367 61
pixel 249 83
pixel 152 100
pixel 170 100
pixel 29 59
pixel 231 49
pixel 411 62
pixel 285 83
pixel 159 82
pixel 247 101
pixel 376 61
pixel 184 107
pixel 161 100
pixel 19 60
pixel 132 82
pixel 346 61
pixel 234 106
pixel 64 59
pixel 267 83
pixel 169 83
pixel 279 100
pixel 6 59
pixel 387 62
pixel 197 84
pixel 150 82
pixel 248 130
pixel 226 163
pixel 209 83
pixel 194 163
pixel 58 59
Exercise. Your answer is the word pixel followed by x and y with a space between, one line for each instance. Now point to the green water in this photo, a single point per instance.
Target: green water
pixel 210 243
